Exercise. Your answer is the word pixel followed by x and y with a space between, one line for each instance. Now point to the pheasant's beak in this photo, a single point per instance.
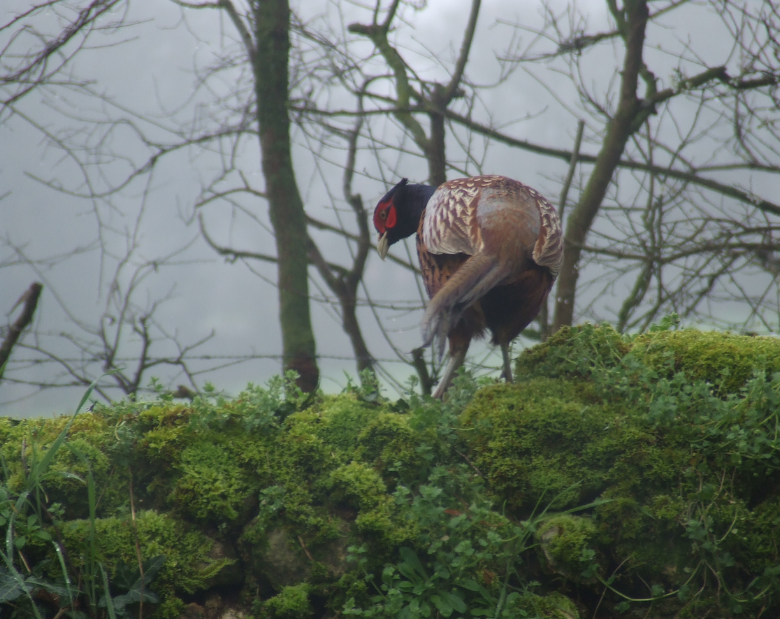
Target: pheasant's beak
pixel 382 246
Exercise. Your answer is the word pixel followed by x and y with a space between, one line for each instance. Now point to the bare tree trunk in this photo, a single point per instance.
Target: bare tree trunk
pixel 544 314
pixel 619 129
pixel 272 38
pixel 435 151
pixel 30 300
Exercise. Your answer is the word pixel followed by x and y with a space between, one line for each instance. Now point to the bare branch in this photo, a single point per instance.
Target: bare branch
pixel 30 301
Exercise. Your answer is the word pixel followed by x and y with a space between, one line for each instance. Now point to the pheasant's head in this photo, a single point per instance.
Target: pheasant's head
pixel 386 217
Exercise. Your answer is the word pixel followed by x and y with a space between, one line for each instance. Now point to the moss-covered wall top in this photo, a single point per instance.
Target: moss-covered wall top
pixel 619 477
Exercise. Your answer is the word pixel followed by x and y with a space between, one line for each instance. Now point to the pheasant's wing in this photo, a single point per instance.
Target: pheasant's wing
pixel 548 250
pixel 436 269
pixel 450 224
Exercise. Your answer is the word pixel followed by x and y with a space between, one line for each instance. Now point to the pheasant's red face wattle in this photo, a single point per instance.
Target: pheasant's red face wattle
pixel 385 217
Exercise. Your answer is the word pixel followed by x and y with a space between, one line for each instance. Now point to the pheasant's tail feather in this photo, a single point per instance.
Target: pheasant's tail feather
pixel 436 328
pixel 471 282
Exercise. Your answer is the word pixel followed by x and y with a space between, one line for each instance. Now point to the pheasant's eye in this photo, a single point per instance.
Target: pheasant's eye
pixel 383 214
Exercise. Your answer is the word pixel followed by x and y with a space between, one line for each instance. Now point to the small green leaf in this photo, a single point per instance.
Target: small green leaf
pixel 469 584
pixel 410 559
pixel 454 600
pixel 443 607
pixel 9 589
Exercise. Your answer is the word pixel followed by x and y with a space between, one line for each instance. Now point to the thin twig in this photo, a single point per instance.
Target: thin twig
pixel 306 550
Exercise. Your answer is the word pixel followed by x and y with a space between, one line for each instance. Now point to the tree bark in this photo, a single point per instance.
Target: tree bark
pixel 619 130
pixel 272 40
pixel 435 151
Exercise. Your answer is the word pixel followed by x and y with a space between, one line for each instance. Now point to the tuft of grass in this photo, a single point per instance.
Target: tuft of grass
pixel 28 520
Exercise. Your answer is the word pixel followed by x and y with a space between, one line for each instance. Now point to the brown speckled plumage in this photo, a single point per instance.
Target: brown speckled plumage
pixel 490 249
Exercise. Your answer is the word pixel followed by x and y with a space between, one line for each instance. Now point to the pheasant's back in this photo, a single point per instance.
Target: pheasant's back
pixel 490 248
pixel 497 215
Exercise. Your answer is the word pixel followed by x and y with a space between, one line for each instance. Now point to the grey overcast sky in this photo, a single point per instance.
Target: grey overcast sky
pixel 153 74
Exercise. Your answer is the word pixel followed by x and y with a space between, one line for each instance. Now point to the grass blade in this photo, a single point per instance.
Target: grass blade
pixel 109 601
pixel 64 568
pixel 40 468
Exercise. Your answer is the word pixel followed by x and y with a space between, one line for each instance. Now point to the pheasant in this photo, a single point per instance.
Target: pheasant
pixel 490 249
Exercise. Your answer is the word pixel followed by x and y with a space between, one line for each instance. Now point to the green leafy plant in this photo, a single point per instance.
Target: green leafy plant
pixel 259 409
pixel 467 558
pixel 29 521
pixel 20 524
pixel 130 585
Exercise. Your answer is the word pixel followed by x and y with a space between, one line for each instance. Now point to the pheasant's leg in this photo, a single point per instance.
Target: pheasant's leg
pixel 459 345
pixel 507 373
pixel 455 361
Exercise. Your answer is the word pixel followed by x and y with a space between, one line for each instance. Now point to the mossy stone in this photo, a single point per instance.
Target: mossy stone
pixel 189 562
pixel 545 440
pixel 725 360
pixel 563 540
pixel 212 485
pixel 574 458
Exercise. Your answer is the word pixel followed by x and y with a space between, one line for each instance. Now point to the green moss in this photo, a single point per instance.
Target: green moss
pixel 725 360
pixel 339 420
pixel 328 458
pixel 358 485
pixel 170 608
pixel 571 350
pixel 624 420
pixel 188 563
pixel 551 606
pixel 663 445
pixel 90 436
pixel 392 446
pixel 212 485
pixel 759 531
pixel 301 459
pixel 165 430
pixel 546 440
pixel 291 603
pixel 564 541
pixel 722 359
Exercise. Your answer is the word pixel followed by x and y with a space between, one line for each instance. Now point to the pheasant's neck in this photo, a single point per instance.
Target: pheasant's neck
pixel 417 196
pixel 410 203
